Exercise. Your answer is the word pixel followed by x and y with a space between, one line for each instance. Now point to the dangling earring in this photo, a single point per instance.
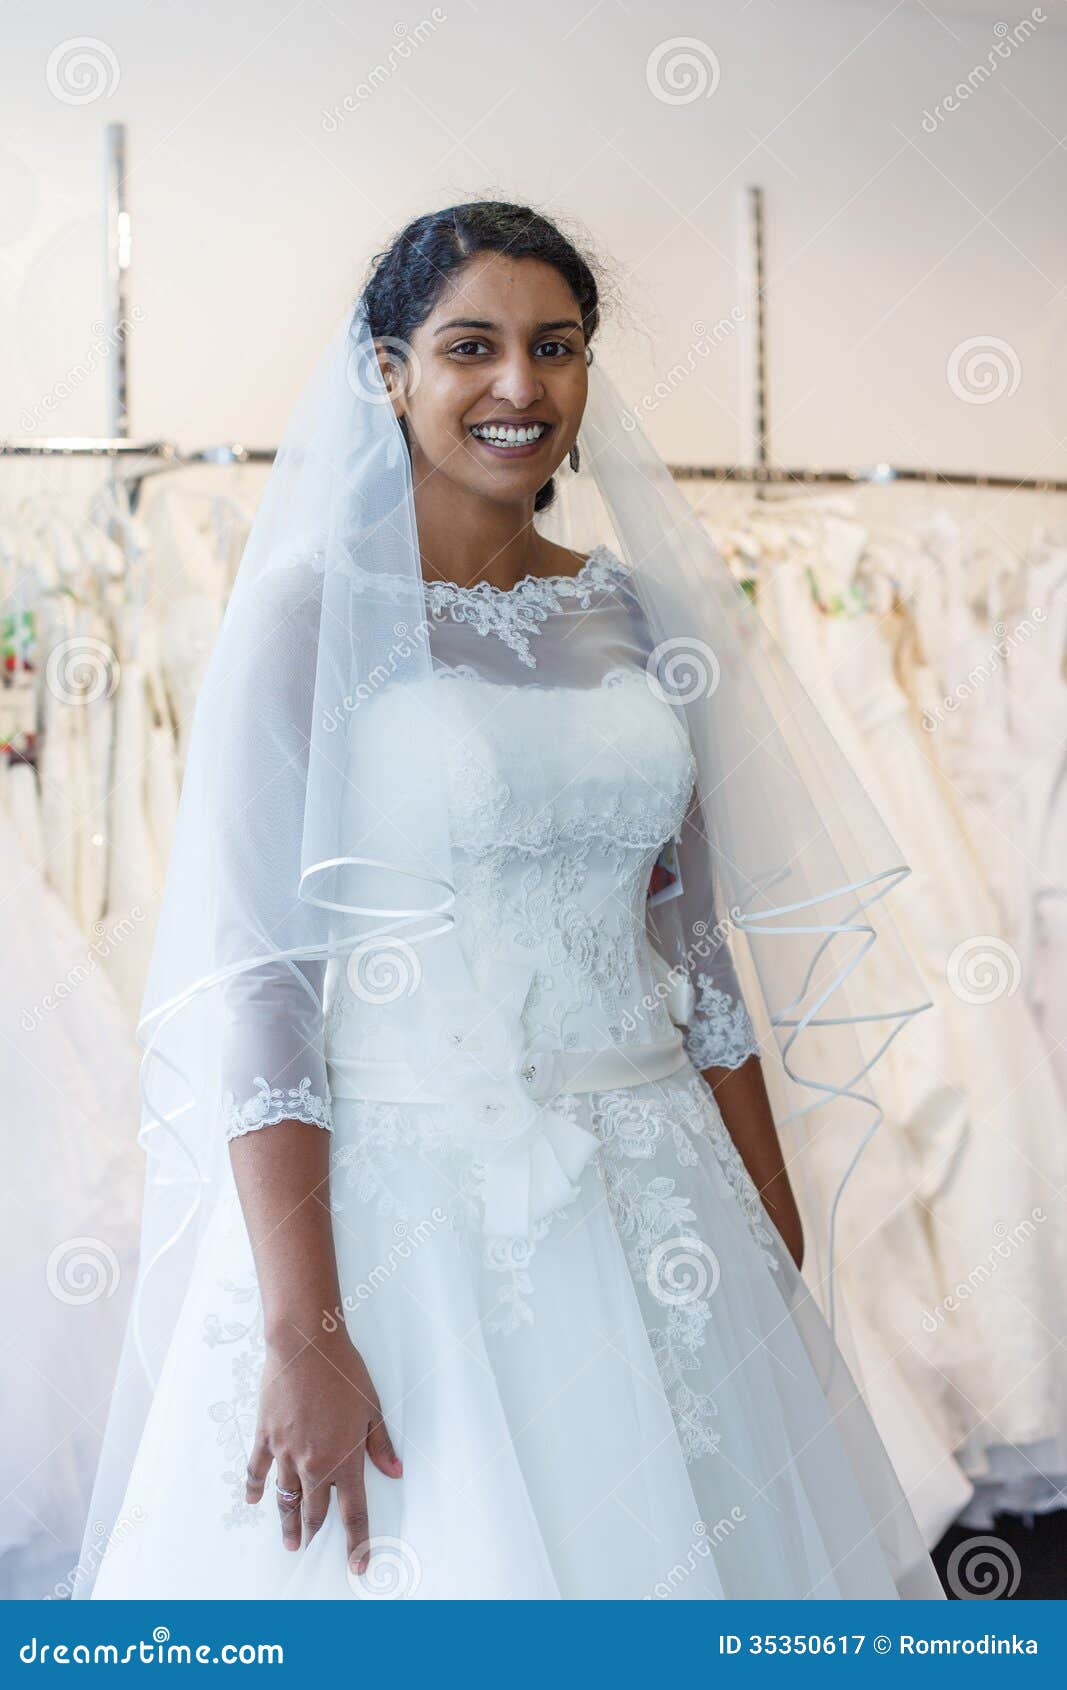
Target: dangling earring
pixel 574 461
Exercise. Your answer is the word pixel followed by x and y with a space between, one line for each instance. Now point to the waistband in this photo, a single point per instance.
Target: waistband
pixel 547 1073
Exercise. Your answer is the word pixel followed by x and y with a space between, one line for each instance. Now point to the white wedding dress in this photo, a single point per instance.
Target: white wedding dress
pixel 640 1399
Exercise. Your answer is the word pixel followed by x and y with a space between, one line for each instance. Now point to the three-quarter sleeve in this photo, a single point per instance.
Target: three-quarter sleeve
pixel 689 933
pixel 271 1029
pixel 273 1063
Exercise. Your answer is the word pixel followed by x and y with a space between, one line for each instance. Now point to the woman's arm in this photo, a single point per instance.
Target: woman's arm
pixel 318 1409
pixel 687 930
pixel 746 1111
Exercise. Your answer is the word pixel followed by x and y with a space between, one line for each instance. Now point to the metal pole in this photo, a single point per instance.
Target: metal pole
pixel 118 267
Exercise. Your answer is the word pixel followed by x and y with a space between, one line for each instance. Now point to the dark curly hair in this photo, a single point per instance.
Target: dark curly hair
pixel 408 278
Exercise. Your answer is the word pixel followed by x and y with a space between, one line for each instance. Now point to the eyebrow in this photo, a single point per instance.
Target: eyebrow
pixel 480 323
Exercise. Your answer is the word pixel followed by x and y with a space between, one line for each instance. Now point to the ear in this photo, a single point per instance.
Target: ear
pixel 394 374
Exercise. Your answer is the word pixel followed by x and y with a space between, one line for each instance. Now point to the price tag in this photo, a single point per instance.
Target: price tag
pixel 665 881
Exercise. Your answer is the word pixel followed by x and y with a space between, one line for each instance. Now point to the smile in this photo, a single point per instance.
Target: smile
pixel 504 439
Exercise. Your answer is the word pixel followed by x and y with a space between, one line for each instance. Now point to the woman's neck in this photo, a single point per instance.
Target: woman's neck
pixel 465 542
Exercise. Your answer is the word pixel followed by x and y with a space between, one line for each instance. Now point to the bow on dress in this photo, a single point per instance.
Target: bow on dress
pixel 498 1091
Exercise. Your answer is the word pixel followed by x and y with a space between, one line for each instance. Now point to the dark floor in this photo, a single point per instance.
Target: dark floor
pixel 1021 1558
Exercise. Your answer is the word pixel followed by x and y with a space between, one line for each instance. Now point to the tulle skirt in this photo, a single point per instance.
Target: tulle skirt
pixel 642 1402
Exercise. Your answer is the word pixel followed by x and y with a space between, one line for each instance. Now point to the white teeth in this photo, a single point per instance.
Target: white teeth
pixel 500 435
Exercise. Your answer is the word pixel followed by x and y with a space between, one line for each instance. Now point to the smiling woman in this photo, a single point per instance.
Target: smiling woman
pixel 486 315
pixel 461 1155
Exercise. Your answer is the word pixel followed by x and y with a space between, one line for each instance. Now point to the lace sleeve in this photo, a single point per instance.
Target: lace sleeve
pixel 690 935
pixel 271 1029
pixel 272 1049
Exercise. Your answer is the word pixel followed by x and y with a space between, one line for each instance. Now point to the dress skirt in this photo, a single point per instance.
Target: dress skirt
pixel 643 1401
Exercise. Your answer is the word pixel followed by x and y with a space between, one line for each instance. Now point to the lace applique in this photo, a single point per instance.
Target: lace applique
pixel 658 1224
pixel 486 812
pixel 513 614
pixel 720 1034
pixel 647 1217
pixel 236 1416
pixel 511 1258
pixel 268 1106
pixel 637 1125
pixel 369 1159
pixel 706 1117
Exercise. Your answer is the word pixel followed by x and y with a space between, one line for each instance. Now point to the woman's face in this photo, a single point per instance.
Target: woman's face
pixel 503 346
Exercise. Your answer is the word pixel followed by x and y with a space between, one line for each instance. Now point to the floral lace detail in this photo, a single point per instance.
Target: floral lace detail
pixel 368 1161
pixel 511 1258
pixel 268 1106
pixel 707 1118
pixel 658 1224
pixel 633 1125
pixel 652 1219
pixel 236 1415
pixel 721 1034
pixel 513 614
pixel 486 812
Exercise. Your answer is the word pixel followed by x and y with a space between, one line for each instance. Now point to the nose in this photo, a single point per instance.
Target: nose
pixel 518 383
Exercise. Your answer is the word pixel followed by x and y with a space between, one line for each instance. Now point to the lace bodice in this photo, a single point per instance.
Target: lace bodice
pixel 566 778
pixel 515 615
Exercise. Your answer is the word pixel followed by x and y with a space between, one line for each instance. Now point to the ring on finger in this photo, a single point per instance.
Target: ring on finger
pixel 292 1497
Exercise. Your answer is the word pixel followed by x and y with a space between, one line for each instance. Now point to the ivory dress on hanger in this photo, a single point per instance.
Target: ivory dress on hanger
pixel 970 1087
pixel 69 1212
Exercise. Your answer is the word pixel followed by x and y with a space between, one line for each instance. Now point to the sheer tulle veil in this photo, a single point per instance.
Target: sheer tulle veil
pixel 299 839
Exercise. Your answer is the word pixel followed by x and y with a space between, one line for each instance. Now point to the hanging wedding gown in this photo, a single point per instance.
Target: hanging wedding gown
pixel 72 1183
pixel 971 1091
pixel 636 1396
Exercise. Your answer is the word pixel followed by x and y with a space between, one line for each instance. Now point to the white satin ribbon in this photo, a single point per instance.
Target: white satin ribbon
pixel 500 1097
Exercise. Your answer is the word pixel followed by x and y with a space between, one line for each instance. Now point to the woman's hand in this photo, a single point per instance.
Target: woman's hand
pixel 318 1414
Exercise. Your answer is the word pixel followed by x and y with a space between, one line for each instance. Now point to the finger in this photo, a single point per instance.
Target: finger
pixel 259 1465
pixel 289 1494
pixel 316 1503
pixel 352 1500
pixel 381 1451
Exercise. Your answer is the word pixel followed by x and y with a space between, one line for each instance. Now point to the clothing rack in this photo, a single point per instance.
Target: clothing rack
pixel 167 455
pixel 873 475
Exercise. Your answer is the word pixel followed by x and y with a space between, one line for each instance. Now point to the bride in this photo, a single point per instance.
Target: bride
pixel 471 1263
